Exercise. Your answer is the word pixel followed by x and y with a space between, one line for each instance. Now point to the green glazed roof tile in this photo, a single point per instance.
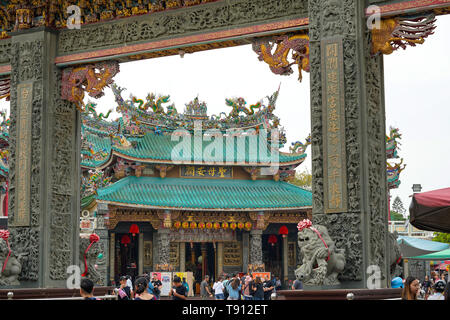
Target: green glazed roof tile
pixel 205 193
pixel 161 147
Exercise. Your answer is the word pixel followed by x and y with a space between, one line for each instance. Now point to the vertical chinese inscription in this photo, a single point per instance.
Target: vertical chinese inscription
pixel 22 217
pixel 335 182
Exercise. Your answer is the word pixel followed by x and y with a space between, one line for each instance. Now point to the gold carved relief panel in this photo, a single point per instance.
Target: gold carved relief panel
pixel 232 253
pixel 148 253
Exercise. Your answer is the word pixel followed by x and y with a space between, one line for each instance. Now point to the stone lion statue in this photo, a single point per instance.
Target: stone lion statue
pixel 9 276
pixel 322 261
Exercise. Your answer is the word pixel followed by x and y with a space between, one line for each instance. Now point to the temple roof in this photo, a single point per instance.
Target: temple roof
pixel 149 133
pixel 154 148
pixel 205 194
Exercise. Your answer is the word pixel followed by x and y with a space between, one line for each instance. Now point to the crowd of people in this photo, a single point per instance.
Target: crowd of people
pixel 434 287
pixel 227 287
pixel 233 287
pixel 249 287
pixel 146 288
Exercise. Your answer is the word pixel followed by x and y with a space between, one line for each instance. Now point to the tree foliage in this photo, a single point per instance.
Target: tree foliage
pixel 303 179
pixel 397 207
pixel 395 216
pixel 442 237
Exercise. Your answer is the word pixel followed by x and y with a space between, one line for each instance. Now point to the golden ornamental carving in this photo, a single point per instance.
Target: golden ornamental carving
pixel 5 88
pixel 395 33
pixel 91 78
pixel 278 60
pixel 123 215
pixel 232 253
pixel 163 169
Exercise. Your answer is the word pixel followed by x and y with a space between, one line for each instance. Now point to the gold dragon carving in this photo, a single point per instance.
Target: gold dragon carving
pixel 395 33
pixel 278 61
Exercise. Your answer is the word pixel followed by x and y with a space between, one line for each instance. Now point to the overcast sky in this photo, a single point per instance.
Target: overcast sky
pixel 417 85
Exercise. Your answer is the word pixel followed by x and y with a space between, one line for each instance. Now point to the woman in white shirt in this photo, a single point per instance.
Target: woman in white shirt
pixel 218 289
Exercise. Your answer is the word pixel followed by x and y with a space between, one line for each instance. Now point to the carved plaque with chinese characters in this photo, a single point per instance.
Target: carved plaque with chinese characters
pixel 148 253
pixel 206 172
pixel 23 160
pixel 335 177
pixel 232 253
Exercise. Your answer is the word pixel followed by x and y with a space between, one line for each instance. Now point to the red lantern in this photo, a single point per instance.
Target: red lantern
pixel 193 225
pixel 201 225
pixel 185 225
pixel 225 225
pixel 134 229
pixel 177 224
pixel 209 225
pixel 240 225
pixel 248 225
pixel 283 231
pixel 216 225
pixel 233 225
pixel 273 239
pixel 125 240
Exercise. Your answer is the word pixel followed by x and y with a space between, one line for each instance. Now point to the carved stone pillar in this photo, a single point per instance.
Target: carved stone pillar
pixel 112 249
pixel 219 259
pixel 141 253
pixel 182 257
pixel 256 257
pixel 44 172
pixel 348 136
pixel 285 259
pixel 204 257
pixel 102 231
pixel 245 249
pixel 163 247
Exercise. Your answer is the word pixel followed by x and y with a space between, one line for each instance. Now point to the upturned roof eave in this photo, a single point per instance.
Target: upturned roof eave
pixel 186 162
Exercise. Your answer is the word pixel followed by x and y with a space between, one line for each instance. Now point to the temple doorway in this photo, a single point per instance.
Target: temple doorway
pixel 126 255
pixel 201 261
pixel 273 254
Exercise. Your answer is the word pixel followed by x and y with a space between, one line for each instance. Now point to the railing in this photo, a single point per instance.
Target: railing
pixel 340 294
pixel 106 293
pixel 107 297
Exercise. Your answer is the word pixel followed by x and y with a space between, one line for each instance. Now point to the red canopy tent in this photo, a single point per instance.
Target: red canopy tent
pixel 431 210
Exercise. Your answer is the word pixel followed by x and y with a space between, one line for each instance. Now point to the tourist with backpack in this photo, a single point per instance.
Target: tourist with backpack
pixel 234 289
pixel 247 291
pixel 225 283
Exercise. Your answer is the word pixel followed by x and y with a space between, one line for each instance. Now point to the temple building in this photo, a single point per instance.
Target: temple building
pixel 170 191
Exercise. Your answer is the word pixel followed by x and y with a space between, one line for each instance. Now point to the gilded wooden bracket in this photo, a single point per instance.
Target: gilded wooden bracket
pixel 90 78
pixel 117 215
pixel 5 88
pixel 163 169
pixel 278 60
pixel 395 33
